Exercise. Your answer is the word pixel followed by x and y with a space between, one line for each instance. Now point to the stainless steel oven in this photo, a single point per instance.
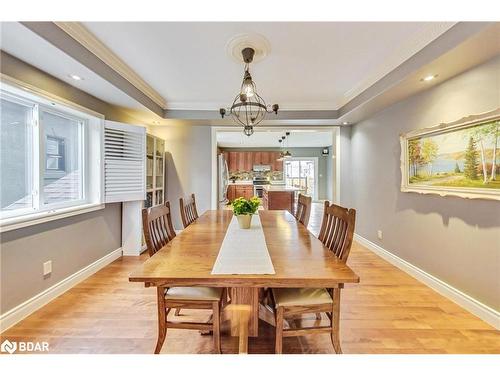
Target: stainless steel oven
pixel 258 186
pixel 258 191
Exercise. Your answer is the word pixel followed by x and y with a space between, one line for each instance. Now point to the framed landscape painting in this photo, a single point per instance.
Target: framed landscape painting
pixel 461 158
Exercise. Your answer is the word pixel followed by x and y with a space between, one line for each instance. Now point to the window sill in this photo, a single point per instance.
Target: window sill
pixel 43 217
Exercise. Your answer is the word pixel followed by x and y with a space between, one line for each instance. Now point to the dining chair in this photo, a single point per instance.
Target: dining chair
pixel 189 213
pixel 337 231
pixel 158 232
pixel 301 214
pixel 303 209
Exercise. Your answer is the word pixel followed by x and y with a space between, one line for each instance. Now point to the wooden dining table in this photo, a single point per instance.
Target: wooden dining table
pixel 298 257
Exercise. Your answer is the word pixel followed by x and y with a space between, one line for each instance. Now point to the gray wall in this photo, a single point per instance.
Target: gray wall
pixel 188 163
pixel 324 175
pixel 71 243
pixel 22 71
pixel 454 239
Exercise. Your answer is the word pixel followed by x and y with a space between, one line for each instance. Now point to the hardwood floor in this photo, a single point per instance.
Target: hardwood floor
pixel 388 312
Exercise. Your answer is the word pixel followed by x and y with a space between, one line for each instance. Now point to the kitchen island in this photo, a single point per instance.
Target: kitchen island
pixel 278 197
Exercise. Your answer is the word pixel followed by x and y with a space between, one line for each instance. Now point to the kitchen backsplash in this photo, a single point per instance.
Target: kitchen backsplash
pixel 249 175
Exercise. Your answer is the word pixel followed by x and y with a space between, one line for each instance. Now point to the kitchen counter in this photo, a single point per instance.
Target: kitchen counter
pixel 241 182
pixel 280 188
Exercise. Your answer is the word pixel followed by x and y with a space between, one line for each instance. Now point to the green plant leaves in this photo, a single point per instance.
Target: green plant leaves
pixel 242 206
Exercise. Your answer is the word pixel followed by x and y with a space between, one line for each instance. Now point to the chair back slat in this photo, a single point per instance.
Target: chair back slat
pixel 337 229
pixel 303 211
pixel 189 213
pixel 157 227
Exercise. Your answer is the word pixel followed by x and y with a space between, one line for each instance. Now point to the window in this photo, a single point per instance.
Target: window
pixel 50 158
pixel 301 173
pixel 16 155
pixel 63 177
pixel 54 154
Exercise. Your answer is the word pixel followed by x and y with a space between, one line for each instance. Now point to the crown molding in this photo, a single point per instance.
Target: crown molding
pixel 442 45
pixel 214 106
pixel 213 114
pixel 401 53
pixel 88 40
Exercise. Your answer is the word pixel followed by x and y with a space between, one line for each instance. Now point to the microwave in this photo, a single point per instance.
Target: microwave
pixel 261 168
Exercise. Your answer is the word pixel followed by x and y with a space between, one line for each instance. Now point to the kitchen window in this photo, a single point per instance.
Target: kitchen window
pixel 302 173
pixel 50 162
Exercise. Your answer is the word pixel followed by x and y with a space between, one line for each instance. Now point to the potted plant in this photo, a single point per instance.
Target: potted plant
pixel 243 209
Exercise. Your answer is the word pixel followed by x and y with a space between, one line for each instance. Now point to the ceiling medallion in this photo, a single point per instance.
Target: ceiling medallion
pixel 248 108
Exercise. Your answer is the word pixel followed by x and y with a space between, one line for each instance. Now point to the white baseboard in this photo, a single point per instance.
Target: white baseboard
pixel 18 313
pixel 486 313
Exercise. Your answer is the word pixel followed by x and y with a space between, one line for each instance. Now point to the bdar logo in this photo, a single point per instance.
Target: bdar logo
pixel 9 347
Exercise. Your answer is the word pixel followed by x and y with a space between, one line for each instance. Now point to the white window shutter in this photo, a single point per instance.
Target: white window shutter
pixel 124 162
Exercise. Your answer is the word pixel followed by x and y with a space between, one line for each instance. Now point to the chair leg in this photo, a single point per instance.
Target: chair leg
pixel 177 312
pixel 335 321
pixel 162 319
pixel 216 327
pixel 225 297
pixel 278 347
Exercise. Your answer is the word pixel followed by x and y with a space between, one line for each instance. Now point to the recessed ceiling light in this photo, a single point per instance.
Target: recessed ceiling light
pixel 345 123
pixel 75 77
pixel 156 122
pixel 429 78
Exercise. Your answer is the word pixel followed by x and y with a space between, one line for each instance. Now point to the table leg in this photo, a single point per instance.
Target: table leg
pixel 250 297
pixel 336 321
pixel 162 319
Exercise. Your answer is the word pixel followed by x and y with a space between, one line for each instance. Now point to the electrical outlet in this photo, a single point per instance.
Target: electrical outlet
pixel 379 234
pixel 47 268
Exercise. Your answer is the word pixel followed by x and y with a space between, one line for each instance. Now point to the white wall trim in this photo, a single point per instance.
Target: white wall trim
pixel 88 40
pixel 18 313
pixel 486 313
pixel 335 151
pixel 336 173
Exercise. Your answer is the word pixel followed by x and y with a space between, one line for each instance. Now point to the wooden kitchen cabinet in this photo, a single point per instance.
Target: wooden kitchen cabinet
pixel 257 157
pixel 245 191
pixel 248 161
pixel 231 161
pixel 277 165
pixel 236 191
pixel 265 157
pixel 230 193
pixel 245 160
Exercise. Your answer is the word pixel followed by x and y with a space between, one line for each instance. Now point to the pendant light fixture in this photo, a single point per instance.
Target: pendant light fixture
pixel 287 154
pixel 281 149
pixel 248 108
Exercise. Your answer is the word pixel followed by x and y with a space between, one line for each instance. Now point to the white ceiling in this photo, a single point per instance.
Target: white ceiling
pixel 310 65
pixel 22 43
pixel 269 138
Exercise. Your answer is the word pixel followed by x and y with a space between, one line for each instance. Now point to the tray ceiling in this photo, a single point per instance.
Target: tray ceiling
pixel 309 65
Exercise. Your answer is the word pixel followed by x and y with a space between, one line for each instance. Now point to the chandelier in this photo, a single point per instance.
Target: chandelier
pixel 248 108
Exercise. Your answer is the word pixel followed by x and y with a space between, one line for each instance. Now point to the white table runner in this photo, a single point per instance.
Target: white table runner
pixel 243 251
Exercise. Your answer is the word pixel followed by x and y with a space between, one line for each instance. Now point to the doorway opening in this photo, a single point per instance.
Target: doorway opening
pixel 240 164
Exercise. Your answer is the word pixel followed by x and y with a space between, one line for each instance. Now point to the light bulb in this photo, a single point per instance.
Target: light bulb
pixel 248 130
pixel 247 88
